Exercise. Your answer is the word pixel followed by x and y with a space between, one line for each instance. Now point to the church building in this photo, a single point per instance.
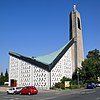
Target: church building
pixel 44 71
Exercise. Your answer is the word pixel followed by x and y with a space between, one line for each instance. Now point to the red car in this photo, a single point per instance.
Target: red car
pixel 29 90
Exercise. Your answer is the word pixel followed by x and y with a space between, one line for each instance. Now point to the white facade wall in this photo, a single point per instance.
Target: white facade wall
pixel 62 68
pixel 21 71
pixel 41 78
pixel 13 69
pixel 27 74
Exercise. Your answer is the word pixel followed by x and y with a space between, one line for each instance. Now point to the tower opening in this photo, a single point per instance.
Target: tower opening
pixel 79 26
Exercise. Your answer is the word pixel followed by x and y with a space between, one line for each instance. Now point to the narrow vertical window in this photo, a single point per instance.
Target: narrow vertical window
pixel 79 26
pixel 70 37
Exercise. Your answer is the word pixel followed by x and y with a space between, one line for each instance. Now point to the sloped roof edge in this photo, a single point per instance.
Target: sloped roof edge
pixel 30 60
pixel 61 54
pixel 45 65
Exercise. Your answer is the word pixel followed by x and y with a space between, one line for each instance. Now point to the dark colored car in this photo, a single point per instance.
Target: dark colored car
pixel 91 85
pixel 29 90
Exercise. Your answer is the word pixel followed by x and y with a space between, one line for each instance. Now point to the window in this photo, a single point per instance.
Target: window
pixel 70 27
pixel 79 26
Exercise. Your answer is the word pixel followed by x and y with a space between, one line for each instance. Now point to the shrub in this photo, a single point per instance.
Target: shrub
pixel 62 85
pixel 74 86
pixel 57 85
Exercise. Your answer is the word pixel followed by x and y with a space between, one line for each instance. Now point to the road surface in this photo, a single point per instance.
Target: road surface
pixel 81 94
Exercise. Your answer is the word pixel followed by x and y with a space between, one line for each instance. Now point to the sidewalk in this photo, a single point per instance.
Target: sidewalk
pixel 3 89
pixel 67 91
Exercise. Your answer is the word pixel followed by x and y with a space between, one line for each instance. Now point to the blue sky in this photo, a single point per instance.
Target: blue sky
pixel 39 27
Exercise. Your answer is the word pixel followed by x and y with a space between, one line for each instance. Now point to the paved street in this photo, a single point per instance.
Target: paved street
pixel 82 94
pixel 85 95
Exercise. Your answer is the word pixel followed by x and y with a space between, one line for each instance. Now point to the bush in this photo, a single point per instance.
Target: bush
pixel 62 85
pixel 74 86
pixel 57 85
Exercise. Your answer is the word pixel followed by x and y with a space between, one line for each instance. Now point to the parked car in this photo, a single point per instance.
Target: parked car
pixel 91 85
pixel 29 90
pixel 14 90
pixel 98 84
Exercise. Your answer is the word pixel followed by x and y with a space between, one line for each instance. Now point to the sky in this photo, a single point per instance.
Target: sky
pixel 40 27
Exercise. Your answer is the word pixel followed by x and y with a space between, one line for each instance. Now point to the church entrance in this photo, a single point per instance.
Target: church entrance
pixel 13 83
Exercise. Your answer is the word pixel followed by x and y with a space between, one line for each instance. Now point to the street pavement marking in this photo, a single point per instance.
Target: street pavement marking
pixel 17 98
pixel 12 98
pixel 57 92
pixel 87 92
pixel 8 97
pixel 98 98
pixel 50 98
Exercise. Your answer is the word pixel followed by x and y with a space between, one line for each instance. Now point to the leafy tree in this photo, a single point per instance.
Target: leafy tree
pixel 1 74
pixel 3 78
pixel 6 75
pixel 90 69
pixel 74 76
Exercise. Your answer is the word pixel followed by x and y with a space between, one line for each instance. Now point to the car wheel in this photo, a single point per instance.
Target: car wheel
pixel 20 93
pixel 14 93
pixel 7 92
pixel 29 93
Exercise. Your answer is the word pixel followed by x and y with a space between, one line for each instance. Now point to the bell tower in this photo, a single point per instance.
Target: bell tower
pixel 76 33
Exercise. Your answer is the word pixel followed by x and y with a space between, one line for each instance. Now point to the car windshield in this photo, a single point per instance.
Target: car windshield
pixel 18 88
pixel 32 86
pixel 11 89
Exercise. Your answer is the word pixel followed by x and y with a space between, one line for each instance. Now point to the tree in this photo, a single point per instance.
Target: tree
pixel 3 78
pixel 6 75
pixel 1 74
pixel 76 77
pixel 90 69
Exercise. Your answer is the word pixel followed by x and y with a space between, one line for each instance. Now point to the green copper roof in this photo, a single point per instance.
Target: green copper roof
pixel 46 62
pixel 48 59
